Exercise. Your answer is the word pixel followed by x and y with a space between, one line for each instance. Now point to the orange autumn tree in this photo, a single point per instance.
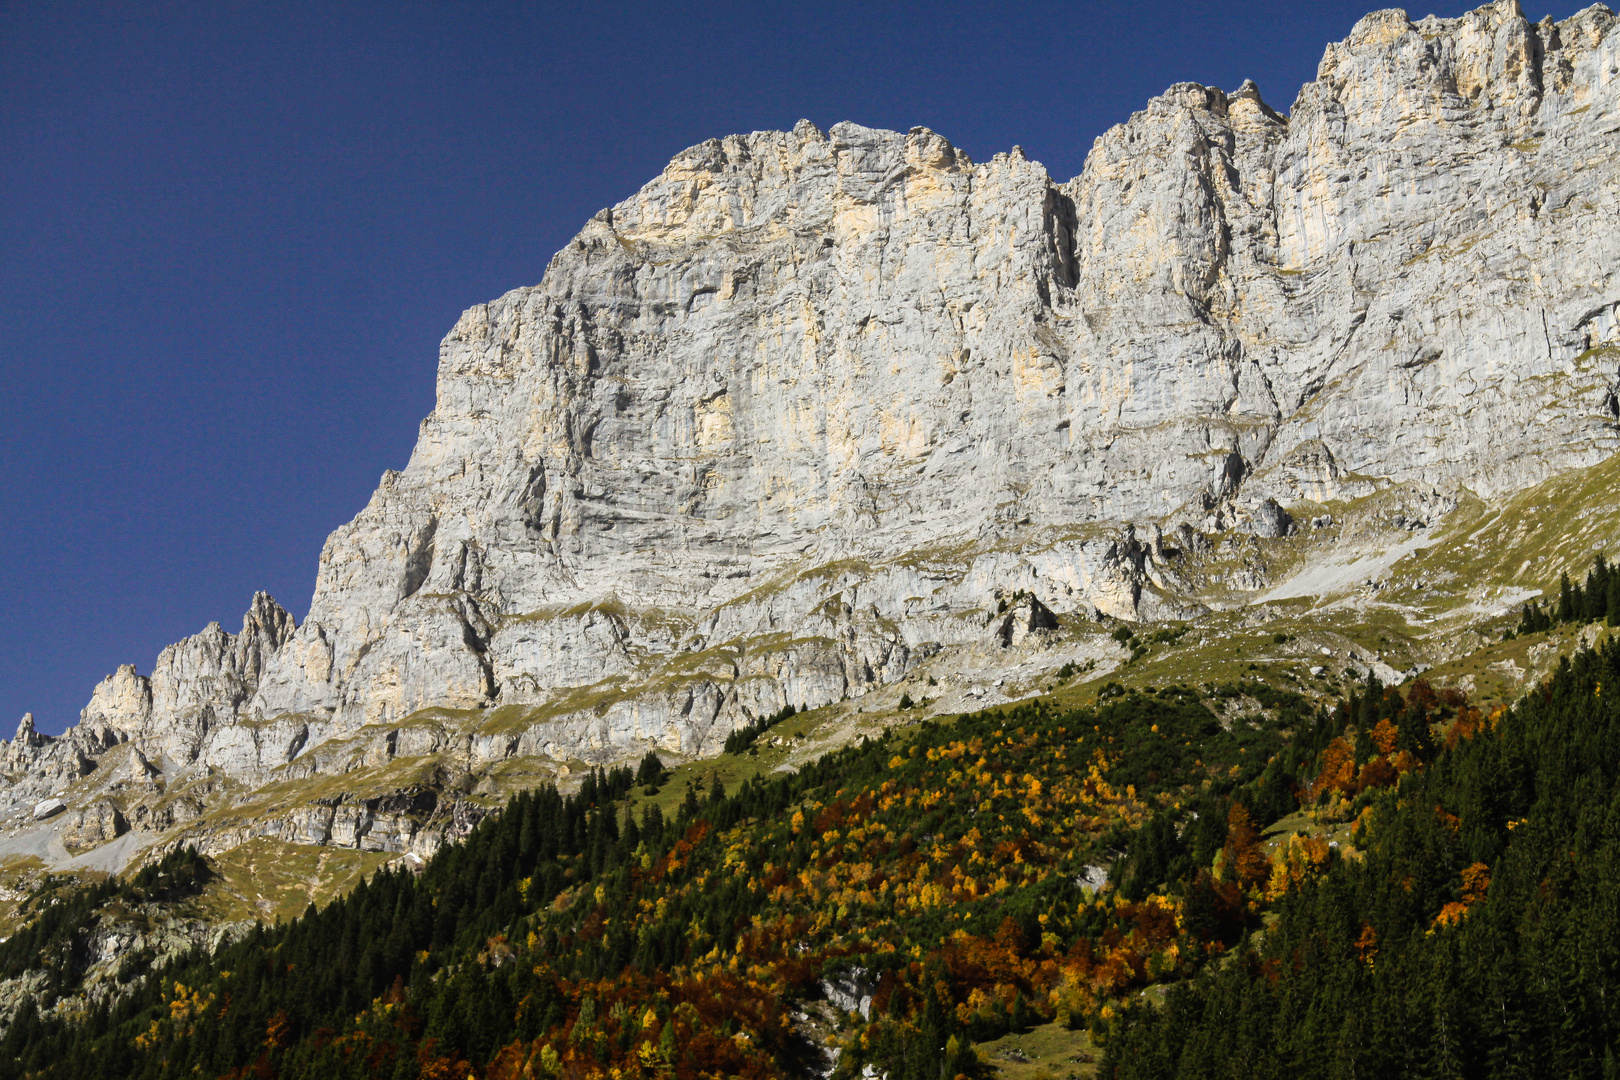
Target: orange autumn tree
pixel 1386 736
pixel 1244 860
pixel 1338 772
pixel 1469 722
pixel 1476 882
pixel 1367 945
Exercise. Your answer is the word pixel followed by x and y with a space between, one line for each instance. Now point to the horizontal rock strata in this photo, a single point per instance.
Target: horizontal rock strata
pixel 811 406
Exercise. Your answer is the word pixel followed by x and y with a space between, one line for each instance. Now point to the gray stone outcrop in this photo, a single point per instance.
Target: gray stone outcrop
pixel 804 408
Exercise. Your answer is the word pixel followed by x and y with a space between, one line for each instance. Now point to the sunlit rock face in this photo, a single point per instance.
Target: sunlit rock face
pixel 808 405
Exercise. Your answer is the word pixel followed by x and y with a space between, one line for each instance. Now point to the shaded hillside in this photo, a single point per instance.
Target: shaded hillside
pixel 1477 935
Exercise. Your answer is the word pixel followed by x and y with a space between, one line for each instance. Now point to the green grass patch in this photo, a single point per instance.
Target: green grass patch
pixel 271 880
pixel 1050 1051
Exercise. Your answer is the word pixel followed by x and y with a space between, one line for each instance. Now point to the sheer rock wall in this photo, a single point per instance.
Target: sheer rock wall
pixel 786 419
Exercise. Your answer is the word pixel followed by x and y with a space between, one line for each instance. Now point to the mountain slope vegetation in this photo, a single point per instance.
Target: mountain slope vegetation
pixel 1478 933
pixel 1210 879
pixel 937 866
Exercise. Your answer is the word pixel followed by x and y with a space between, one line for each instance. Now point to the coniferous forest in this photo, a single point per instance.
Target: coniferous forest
pixel 1467 923
pixel 1598 600
pixel 1477 933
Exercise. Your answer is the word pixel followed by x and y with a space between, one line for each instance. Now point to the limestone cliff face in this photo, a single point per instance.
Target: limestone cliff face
pixel 1398 281
pixel 789 417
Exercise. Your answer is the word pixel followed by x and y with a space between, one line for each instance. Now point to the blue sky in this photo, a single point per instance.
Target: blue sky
pixel 231 236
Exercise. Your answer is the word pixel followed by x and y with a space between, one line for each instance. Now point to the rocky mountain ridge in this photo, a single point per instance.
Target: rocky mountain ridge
pixel 814 411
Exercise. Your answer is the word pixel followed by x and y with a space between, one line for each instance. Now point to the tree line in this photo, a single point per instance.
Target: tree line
pixel 1598 600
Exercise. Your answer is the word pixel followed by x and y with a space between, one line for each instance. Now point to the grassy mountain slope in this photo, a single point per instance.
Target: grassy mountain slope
pixel 909 897
pixel 1208 816
pixel 948 857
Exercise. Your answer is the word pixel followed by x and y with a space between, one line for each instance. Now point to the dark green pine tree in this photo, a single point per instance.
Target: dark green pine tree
pixel 1371 703
pixel 1415 733
pixel 651 770
pixel 631 834
pixel 690 806
pixel 1597 590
